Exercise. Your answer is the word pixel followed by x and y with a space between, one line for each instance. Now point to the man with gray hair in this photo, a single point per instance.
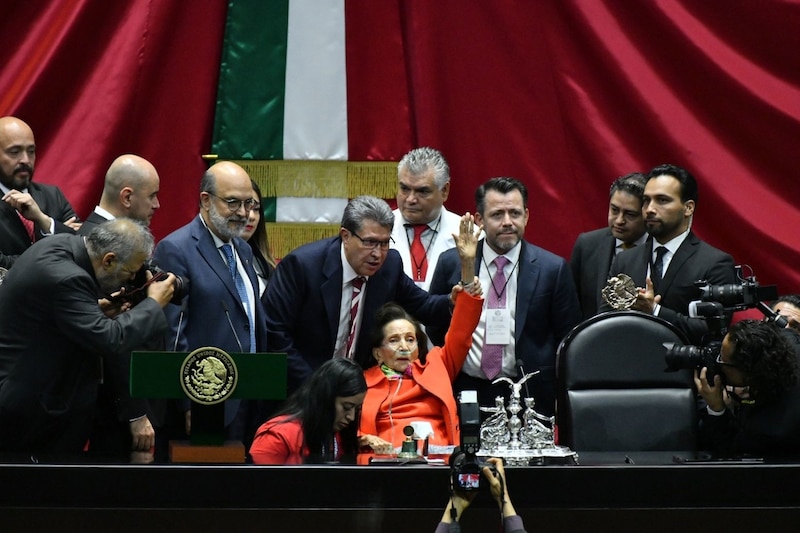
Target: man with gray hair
pixel 423 228
pixel 324 295
pixel 57 334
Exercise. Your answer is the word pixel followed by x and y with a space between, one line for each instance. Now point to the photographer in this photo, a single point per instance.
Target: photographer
pixel 57 337
pixel 459 501
pixel 753 406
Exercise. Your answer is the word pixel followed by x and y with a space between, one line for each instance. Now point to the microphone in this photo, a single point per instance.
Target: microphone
pixel 522 374
pixel 230 323
pixel 180 322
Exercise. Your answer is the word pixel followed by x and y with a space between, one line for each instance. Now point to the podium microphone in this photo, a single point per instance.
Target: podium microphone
pixel 230 323
pixel 180 322
pixel 522 375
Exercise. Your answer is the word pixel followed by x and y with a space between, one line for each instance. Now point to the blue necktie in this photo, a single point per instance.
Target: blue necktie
pixel 240 288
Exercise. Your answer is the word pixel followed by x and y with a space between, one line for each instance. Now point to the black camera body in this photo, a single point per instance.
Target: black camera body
pixel 136 291
pixel 465 467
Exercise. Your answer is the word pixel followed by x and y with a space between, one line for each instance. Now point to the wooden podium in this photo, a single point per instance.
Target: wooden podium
pixel 208 377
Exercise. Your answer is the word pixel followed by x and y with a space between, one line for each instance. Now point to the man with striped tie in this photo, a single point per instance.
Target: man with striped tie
pixel 323 297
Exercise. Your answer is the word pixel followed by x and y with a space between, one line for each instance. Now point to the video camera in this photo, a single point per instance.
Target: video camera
pixel 465 467
pixel 737 297
pixel 136 291
pixel 715 301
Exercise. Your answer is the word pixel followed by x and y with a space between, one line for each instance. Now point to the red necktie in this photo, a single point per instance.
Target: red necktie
pixel 418 254
pixel 28 226
pixel 492 355
pixel 358 283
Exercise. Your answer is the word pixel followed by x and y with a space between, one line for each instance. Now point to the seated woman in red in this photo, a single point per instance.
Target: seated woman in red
pixel 318 422
pixel 410 383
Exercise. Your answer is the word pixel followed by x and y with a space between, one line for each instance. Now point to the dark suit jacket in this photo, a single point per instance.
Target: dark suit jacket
pixel 50 358
pixel 127 408
pixel 304 296
pixel 91 222
pixel 546 310
pixel 212 314
pixel 590 263
pixel 694 260
pixel 14 238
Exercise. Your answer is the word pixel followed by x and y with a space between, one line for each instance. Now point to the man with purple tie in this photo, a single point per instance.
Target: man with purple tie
pixel 531 303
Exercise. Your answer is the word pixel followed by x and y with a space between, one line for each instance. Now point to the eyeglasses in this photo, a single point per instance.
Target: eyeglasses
pixel 234 204
pixel 719 361
pixel 396 344
pixel 371 244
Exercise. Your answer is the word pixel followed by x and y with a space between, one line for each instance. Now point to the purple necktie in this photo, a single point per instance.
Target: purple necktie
pixel 492 357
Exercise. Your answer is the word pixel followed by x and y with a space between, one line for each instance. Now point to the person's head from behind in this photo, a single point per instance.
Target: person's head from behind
pixel 366 233
pixel 423 184
pixel 118 249
pixel 502 209
pixel 788 306
pixel 625 218
pixel 760 356
pixel 397 338
pixel 329 402
pixel 131 189
pixel 670 198
pixel 226 198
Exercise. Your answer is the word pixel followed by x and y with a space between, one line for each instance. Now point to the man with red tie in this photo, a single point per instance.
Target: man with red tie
pixel 29 211
pixel 423 228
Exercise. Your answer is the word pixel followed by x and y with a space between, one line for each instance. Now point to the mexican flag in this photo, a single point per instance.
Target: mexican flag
pixel 282 109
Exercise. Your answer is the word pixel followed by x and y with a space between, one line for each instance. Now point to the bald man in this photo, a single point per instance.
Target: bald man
pixel 29 211
pixel 130 190
pixel 222 308
pixel 125 425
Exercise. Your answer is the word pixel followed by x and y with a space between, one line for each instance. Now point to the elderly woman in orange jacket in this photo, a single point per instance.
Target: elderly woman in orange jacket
pixel 411 384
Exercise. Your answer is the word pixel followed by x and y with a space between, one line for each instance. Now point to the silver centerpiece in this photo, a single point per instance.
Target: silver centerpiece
pixel 620 292
pixel 520 442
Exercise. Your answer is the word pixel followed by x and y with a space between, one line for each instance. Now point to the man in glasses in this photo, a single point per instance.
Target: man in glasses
pixel 222 308
pixel 753 405
pixel 324 295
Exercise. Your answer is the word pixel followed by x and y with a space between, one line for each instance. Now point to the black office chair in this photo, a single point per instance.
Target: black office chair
pixel 613 393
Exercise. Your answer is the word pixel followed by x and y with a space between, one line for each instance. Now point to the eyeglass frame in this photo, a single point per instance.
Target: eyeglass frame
pixel 371 244
pixel 719 361
pixel 253 203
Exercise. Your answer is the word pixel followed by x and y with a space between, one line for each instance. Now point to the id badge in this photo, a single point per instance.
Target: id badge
pixel 498 326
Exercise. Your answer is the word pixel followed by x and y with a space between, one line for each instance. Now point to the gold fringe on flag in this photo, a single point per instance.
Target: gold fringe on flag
pixel 285 237
pixel 323 179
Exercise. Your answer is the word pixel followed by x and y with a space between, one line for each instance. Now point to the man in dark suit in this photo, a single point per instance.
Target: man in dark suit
pixel 214 313
pixel 540 307
pixel 594 250
pixel 57 334
pixel 130 190
pixel 666 278
pixel 309 301
pixel 121 422
pixel 29 211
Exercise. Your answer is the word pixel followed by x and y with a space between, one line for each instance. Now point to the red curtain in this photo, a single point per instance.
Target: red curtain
pixel 568 95
pixel 97 79
pixel 563 94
